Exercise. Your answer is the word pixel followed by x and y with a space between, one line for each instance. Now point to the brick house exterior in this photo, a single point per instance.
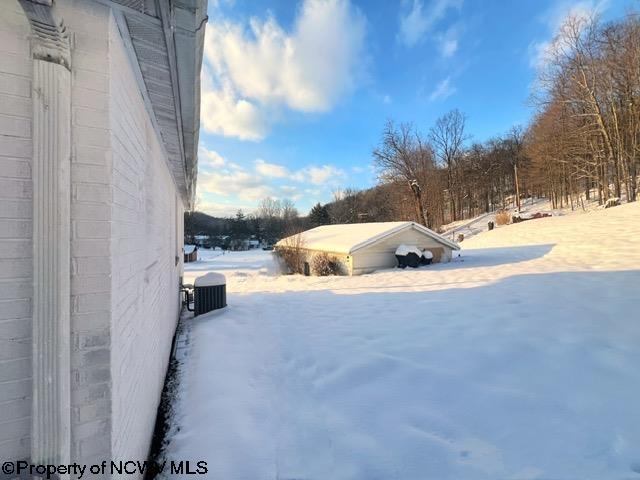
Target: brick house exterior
pixel 99 118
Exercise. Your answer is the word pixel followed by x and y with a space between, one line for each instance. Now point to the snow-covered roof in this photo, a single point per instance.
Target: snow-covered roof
pixel 189 249
pixel 348 238
pixel 211 279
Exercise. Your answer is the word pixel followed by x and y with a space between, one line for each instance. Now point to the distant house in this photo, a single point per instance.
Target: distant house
pixel 190 253
pixel 243 244
pixel 99 122
pixel 365 247
pixel 202 240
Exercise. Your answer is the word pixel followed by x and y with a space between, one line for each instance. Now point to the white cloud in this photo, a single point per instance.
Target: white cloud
pixel 253 73
pixel 416 22
pixel 323 174
pixel 448 42
pixel 238 183
pixel 222 209
pixel 413 25
pixel 316 175
pixel 582 10
pixel 291 192
pixel 223 112
pixel 231 184
pixel 271 169
pixel 448 47
pixel 208 159
pixel 443 90
pixel 542 51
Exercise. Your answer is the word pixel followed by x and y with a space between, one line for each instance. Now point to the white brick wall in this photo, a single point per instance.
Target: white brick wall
pixel 145 299
pixel 124 240
pixel 15 232
pixel 91 200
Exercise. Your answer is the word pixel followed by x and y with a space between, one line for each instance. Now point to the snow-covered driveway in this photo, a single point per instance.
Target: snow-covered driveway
pixel 522 361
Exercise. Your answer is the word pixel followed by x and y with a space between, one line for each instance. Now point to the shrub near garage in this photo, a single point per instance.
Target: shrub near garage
pixel 324 264
pixel 291 255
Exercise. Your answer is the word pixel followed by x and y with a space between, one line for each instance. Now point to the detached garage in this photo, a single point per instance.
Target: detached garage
pixel 364 247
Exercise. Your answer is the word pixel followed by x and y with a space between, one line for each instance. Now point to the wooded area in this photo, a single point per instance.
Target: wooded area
pixel 587 130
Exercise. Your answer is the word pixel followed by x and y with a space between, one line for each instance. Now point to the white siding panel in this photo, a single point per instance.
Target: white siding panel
pixel 382 253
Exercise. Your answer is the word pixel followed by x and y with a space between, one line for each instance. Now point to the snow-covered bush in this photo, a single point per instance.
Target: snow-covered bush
pixel 291 255
pixel 324 264
pixel 502 217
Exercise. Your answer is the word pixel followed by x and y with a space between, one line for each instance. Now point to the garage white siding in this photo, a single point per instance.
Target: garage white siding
pixel 381 254
pixel 366 247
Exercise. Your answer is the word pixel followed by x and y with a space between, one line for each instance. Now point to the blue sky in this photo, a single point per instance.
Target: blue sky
pixel 295 94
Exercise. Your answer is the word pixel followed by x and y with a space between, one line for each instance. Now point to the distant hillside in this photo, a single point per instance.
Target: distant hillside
pixel 199 223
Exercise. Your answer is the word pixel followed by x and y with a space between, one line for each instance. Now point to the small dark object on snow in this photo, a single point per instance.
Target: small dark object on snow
pixel 427 257
pixel 460 237
pixel 518 219
pixel 612 202
pixel 491 225
pixel 401 261
pixel 411 259
pixel 210 293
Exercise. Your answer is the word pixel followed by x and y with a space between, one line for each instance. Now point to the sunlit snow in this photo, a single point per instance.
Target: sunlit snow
pixel 520 359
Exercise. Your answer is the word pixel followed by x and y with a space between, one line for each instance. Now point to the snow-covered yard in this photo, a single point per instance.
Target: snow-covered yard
pixel 529 207
pixel 519 360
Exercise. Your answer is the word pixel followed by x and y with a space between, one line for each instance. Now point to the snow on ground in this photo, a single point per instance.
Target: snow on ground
pixel 529 206
pixel 519 360
pixel 254 261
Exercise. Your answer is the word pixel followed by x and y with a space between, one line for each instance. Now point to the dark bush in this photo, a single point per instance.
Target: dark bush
pixel 324 264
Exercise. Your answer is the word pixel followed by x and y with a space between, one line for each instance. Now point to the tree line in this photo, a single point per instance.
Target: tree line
pixel 272 220
pixel 586 134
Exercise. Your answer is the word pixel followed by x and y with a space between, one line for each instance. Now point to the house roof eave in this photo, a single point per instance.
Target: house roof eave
pixel 167 39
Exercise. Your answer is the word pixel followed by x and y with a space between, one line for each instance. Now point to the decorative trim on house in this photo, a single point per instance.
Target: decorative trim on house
pixel 50 38
pixel 51 95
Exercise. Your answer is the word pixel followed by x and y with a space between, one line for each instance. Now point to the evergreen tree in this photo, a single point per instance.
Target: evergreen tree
pixel 239 227
pixel 319 215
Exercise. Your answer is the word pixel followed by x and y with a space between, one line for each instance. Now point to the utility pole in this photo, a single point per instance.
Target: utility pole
pixel 515 174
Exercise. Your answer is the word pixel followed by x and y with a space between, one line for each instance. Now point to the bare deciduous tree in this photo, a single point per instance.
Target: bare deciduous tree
pixel 447 137
pixel 405 157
